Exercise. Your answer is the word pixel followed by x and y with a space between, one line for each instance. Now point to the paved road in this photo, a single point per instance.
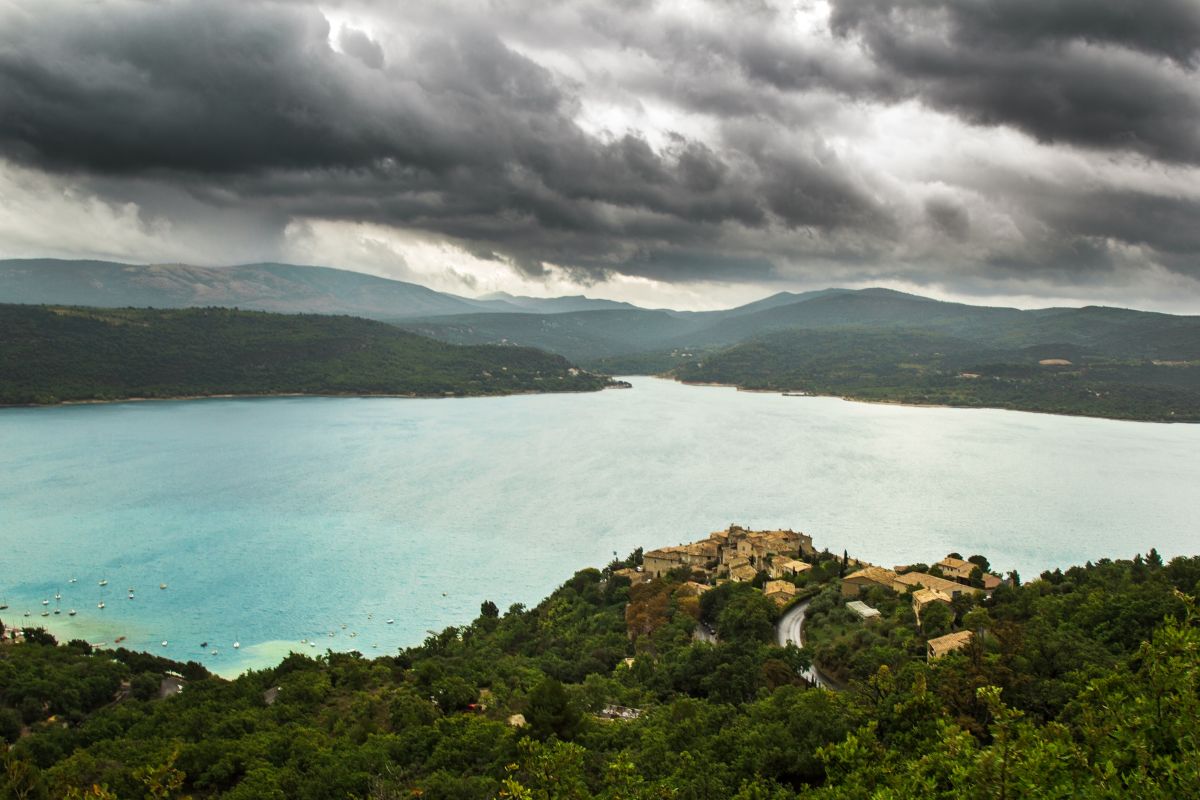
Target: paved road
pixel 791 630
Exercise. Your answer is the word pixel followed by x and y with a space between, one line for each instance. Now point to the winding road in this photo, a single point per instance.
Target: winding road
pixel 791 631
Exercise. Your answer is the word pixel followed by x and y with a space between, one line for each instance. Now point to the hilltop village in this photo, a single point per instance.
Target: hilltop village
pixel 780 563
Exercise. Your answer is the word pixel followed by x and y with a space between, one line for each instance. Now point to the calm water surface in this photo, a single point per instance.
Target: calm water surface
pixel 279 520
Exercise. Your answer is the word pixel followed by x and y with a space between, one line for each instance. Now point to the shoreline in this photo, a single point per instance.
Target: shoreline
pixel 277 395
pixel 906 404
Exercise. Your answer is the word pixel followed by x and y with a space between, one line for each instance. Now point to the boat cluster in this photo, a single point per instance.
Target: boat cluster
pixel 71 612
pixel 352 634
pixel 131 594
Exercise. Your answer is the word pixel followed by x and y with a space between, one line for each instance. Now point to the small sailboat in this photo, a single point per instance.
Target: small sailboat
pixel 45 613
pixel 236 645
pixel 72 613
pixel 58 595
pixel 100 604
pixel 164 642
pixel 45 602
pixel 104 582
pixel 215 652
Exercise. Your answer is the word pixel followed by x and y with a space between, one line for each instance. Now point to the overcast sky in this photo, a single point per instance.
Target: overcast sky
pixel 687 154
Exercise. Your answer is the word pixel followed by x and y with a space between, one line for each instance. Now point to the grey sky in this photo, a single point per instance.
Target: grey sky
pixel 678 153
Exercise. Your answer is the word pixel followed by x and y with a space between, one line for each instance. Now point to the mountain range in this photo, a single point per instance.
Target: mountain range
pixel 600 333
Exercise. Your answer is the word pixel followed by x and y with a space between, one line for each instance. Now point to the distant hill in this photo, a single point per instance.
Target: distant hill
pixel 918 367
pixel 595 337
pixel 599 333
pixel 56 354
pixel 284 288
pixel 549 305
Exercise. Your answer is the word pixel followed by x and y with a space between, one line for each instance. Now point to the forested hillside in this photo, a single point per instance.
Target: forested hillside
pixel 56 354
pixel 907 366
pixel 1081 684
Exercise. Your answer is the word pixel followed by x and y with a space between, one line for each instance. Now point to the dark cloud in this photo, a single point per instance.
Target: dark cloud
pixel 358 44
pixel 1116 74
pixel 489 125
pixel 948 217
pixel 459 134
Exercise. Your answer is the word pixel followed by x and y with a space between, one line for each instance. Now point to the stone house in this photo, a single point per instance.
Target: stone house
pixel 781 592
pixel 936 648
pixel 918 580
pixel 956 568
pixel 922 597
pixel 787 567
pixel 856 582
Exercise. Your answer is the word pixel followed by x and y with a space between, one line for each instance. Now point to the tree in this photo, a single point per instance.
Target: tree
pixel 21 780
pixel 936 619
pixel 10 725
pixel 976 577
pixel 748 617
pixel 39 636
pixel 981 562
pixel 489 609
pixel 453 694
pixel 551 712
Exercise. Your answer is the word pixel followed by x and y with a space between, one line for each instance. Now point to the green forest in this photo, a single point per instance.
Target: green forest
pixel 1081 683
pixel 921 368
pixel 52 354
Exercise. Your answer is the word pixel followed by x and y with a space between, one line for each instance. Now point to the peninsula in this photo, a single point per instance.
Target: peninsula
pixel 55 354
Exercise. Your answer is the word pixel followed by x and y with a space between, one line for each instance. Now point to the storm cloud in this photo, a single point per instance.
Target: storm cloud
pixel 1008 144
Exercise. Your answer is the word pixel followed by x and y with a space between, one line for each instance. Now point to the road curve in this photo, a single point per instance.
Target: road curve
pixel 791 631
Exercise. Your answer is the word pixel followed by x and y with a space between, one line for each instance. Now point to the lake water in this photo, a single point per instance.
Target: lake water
pixel 280 520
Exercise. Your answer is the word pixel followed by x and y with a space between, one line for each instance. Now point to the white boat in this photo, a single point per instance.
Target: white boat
pixel 73 580
pixel 104 582
pixel 162 586
pixel 164 642
pixel 100 604
pixel 237 645
pixel 45 613
pixel 391 621
pixel 72 613
pixel 45 602
pixel 58 595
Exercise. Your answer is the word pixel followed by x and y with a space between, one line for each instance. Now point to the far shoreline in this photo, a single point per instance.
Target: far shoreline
pixel 278 395
pixel 904 404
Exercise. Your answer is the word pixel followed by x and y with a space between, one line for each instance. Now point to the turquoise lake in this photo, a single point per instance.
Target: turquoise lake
pixel 274 522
